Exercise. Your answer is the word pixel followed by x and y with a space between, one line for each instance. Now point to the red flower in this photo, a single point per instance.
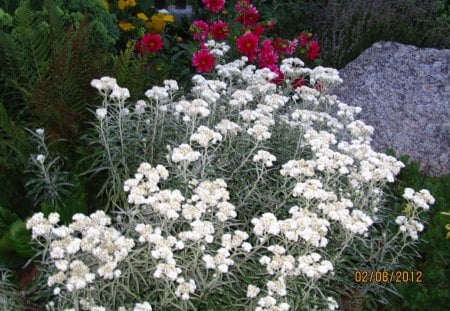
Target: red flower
pixel 242 5
pixel 313 50
pixel 149 43
pixel 299 82
pixel 267 55
pixel 247 45
pixel 203 60
pixel 284 46
pixel 280 78
pixel 220 30
pixel 258 30
pixel 304 38
pixel 199 30
pixel 248 17
pixel 215 6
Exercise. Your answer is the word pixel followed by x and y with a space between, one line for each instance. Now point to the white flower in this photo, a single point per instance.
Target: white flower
pixel 40 158
pixel 185 153
pixel 265 157
pixel 171 85
pixel 101 113
pixel 185 288
pixel 226 127
pixel 252 291
pixel 120 93
pixel 205 136
pixel 157 93
pixel 40 132
pixel 145 306
pixel 259 132
pixel 332 304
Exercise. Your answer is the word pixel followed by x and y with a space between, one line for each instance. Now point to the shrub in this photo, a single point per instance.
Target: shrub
pixel 239 193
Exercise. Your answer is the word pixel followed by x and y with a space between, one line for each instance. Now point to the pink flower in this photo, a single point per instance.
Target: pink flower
pixel 299 82
pixel 203 60
pixel 313 50
pixel 199 30
pixel 219 30
pixel 284 46
pixel 275 69
pixel 242 5
pixel 214 6
pixel 248 17
pixel 149 43
pixel 267 55
pixel 304 38
pixel 258 30
pixel 247 45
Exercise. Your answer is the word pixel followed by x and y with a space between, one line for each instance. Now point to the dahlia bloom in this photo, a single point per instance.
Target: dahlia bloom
pixel 203 60
pixel 199 30
pixel 258 29
pixel 247 45
pixel 149 43
pixel 242 5
pixel 214 6
pixel 313 50
pixel 248 17
pixel 267 55
pixel 284 46
pixel 219 30
pixel 305 37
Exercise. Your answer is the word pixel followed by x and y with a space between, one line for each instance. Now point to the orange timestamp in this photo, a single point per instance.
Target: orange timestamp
pixel 363 276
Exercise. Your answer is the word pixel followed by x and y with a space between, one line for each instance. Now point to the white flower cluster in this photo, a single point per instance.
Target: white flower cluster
pixel 312 189
pixel 422 199
pixel 220 262
pixel 185 288
pixel 40 226
pixel 158 94
pixel 327 77
pixel 269 303
pixel 240 98
pixel 231 70
pixel 409 226
pixel 102 246
pixel 185 153
pixel 265 158
pixel 306 225
pixel 312 267
pixel 104 85
pixel 204 136
pixel 208 90
pixel 217 49
pixel 191 109
pixel 279 263
pixel 227 128
pixel 298 168
pixel 292 67
pixel 145 183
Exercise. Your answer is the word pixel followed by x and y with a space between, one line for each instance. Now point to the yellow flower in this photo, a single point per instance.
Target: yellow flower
pixel 126 26
pixel 106 3
pixel 142 17
pixel 123 4
pixel 158 22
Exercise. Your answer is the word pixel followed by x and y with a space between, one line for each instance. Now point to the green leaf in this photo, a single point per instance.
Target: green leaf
pixel 21 239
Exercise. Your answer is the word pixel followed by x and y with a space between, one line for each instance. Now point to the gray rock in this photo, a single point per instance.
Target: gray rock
pixel 404 92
